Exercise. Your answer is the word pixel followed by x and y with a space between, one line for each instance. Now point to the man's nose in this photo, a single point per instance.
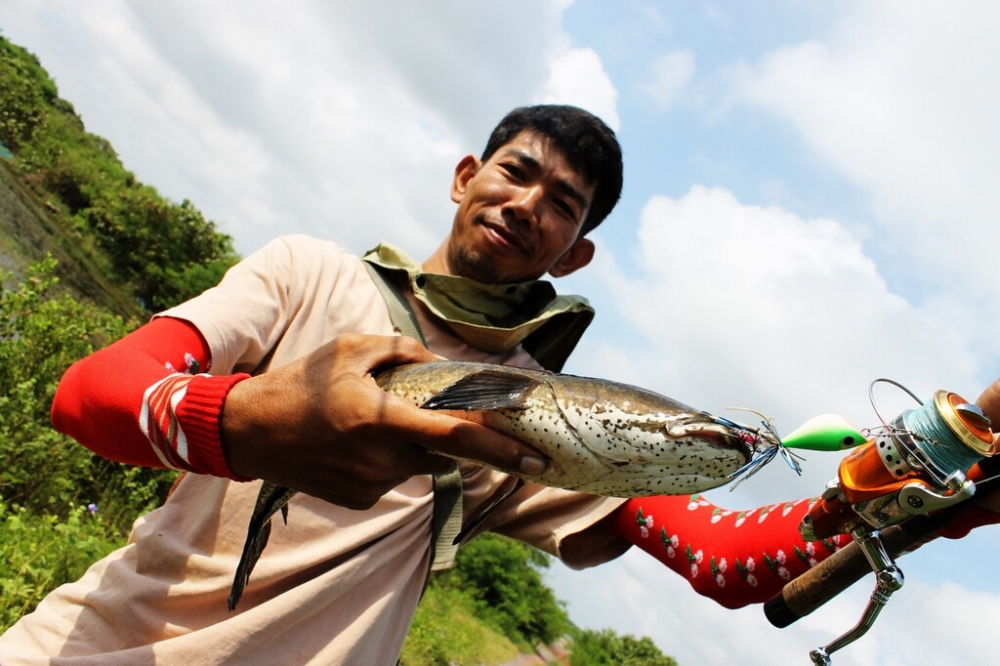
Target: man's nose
pixel 524 204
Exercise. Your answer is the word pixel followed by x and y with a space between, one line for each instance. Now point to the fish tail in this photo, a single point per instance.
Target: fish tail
pixel 270 500
pixel 251 553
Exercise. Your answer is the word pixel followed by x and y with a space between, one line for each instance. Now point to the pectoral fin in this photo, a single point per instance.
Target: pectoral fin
pixel 486 389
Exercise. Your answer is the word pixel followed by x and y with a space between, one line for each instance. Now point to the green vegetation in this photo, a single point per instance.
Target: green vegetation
pixel 41 551
pixel 47 480
pixel 498 582
pixel 504 580
pixel 447 630
pixel 494 604
pixel 72 195
pixel 606 648
pixel 162 251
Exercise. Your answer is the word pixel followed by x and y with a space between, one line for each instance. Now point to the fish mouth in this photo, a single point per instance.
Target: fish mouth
pixel 722 435
pixel 746 446
pixel 733 441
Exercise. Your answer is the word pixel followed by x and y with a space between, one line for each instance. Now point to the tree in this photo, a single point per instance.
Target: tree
pixel 505 579
pixel 607 648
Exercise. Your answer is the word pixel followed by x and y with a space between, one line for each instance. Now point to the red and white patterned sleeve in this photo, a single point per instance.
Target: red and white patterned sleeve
pixel 733 557
pixel 738 558
pixel 144 400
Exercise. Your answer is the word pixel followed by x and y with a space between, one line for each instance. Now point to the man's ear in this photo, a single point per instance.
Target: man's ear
pixel 464 171
pixel 573 259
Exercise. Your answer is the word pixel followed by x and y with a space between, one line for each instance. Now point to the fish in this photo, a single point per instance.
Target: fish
pixel 600 437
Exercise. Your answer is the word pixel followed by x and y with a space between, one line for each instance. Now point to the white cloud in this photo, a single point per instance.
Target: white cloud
pixel 670 75
pixel 309 117
pixel 727 304
pixel 758 299
pixel 578 78
pixel 897 99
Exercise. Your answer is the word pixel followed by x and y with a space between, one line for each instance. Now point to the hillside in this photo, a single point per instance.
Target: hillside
pixel 28 233
pixel 65 191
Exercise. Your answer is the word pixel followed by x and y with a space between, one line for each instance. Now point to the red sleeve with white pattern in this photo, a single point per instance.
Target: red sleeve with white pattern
pixel 733 557
pixel 144 400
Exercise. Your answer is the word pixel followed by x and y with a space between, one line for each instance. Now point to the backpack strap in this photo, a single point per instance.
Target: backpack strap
pixel 447 521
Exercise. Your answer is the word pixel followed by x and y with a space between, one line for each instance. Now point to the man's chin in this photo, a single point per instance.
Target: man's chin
pixel 475 266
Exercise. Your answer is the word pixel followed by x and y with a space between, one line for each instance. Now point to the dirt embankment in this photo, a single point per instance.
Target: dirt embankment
pixel 28 232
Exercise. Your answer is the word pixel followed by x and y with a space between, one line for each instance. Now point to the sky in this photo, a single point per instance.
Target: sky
pixel 807 208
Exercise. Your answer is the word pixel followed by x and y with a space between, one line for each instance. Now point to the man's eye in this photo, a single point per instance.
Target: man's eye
pixel 514 171
pixel 565 209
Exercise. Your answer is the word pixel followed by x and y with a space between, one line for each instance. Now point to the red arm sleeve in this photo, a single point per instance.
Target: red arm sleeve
pixel 738 558
pixel 733 557
pixel 141 400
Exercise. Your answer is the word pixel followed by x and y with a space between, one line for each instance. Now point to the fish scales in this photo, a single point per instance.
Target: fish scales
pixel 600 437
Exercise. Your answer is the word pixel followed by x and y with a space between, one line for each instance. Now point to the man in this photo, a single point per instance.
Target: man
pixel 292 336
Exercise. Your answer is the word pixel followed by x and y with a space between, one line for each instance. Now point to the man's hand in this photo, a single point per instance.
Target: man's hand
pixel 322 426
pixel 989 402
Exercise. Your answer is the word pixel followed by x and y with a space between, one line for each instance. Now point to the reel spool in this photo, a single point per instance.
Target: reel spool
pixel 915 465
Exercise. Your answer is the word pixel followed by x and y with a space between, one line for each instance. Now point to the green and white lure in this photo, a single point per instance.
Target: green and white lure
pixel 827 432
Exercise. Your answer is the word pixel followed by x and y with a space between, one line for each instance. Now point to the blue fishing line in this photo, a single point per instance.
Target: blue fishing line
pixel 937 441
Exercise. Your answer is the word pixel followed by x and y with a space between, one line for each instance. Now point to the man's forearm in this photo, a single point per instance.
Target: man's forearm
pixel 140 401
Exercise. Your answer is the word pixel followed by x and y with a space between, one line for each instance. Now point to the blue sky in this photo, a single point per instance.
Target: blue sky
pixel 809 205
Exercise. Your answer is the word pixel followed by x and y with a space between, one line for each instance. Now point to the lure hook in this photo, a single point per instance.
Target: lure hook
pixel 763 454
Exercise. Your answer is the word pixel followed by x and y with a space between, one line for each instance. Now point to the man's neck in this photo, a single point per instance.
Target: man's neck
pixel 437 263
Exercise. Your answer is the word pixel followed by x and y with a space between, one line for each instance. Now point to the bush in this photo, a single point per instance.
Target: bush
pixel 41 334
pixel 40 552
pixel 22 89
pixel 607 648
pixel 446 632
pixel 504 578
pixel 46 479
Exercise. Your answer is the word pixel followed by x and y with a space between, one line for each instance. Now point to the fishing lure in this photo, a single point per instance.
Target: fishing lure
pixel 827 432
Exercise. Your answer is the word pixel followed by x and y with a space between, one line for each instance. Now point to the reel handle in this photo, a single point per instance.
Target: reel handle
pixel 823 582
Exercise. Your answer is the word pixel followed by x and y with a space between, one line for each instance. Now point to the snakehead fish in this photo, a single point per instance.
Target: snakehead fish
pixel 599 436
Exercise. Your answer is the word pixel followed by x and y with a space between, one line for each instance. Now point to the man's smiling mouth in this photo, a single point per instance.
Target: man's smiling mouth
pixel 507 236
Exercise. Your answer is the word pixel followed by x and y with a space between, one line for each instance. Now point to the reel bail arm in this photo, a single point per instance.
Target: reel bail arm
pixel 888 579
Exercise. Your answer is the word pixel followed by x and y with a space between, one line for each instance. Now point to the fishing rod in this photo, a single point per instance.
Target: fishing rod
pixel 900 483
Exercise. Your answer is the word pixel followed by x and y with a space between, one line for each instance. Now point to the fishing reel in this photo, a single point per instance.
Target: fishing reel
pixel 918 469
pixel 913 466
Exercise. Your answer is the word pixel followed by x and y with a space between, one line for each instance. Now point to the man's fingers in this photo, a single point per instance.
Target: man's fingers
pixel 455 434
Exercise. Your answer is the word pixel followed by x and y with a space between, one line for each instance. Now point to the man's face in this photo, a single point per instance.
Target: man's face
pixel 519 214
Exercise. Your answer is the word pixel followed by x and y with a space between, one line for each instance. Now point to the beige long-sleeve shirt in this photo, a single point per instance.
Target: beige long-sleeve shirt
pixel 334 586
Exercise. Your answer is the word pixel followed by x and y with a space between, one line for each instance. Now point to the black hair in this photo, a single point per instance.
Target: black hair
pixel 590 147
